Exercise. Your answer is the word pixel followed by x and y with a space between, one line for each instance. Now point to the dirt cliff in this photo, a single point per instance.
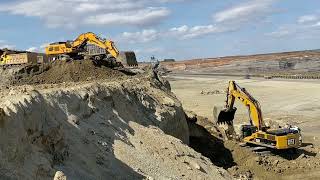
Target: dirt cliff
pixel 127 128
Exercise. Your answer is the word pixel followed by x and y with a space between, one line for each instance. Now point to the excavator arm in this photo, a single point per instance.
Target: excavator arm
pixel 91 38
pixel 235 92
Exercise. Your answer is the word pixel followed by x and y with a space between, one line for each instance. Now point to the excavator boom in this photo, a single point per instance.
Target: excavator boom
pixel 91 38
pixel 236 92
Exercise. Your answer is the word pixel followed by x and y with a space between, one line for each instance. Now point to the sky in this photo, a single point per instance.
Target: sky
pixel 179 29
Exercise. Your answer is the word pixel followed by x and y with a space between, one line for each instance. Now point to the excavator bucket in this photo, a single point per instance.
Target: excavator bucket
pixel 226 116
pixel 128 58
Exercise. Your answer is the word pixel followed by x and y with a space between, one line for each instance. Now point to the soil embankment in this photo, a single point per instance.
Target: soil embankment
pixel 83 122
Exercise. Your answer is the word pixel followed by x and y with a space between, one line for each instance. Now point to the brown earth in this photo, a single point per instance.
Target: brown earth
pixel 63 71
pixel 76 120
pixel 113 126
pixel 245 162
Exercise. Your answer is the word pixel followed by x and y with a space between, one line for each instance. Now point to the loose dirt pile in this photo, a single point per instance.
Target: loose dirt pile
pixel 106 129
pixel 7 74
pixel 63 71
pixel 303 164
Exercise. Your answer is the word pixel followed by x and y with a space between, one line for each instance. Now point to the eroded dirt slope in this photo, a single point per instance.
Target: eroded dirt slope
pixel 127 128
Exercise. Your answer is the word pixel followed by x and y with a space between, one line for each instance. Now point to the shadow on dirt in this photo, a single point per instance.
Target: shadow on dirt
pixel 288 154
pixel 294 154
pixel 208 145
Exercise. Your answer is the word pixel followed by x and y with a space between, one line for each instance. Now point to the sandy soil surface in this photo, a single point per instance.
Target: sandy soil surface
pixel 61 125
pixel 295 102
pixel 291 100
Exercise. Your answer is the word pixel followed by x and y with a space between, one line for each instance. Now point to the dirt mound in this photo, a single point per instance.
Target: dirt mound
pixel 98 130
pixel 62 71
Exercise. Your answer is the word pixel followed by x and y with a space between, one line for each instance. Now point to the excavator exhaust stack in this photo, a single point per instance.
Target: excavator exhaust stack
pixel 226 116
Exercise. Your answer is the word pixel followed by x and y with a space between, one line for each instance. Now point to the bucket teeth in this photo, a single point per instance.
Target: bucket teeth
pixel 226 116
pixel 128 58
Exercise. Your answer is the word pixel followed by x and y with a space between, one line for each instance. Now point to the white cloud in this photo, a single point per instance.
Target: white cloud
pixel 317 24
pixel 300 29
pixel 281 32
pixel 305 26
pixel 32 49
pixel 181 33
pixel 308 18
pixel 185 32
pixel 244 12
pixel 180 30
pixel 140 17
pixel 72 13
pixel 144 36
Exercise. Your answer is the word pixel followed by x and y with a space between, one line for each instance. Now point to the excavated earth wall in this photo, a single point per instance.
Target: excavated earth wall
pixel 134 128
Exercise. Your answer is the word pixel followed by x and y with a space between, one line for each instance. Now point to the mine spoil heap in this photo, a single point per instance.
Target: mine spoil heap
pixel 63 71
pixel 74 120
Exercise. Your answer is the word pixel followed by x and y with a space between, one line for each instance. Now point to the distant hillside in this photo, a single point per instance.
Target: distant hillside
pixel 289 62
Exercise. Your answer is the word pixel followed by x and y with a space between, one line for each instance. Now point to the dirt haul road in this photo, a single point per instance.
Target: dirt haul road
pixel 294 102
pixel 80 123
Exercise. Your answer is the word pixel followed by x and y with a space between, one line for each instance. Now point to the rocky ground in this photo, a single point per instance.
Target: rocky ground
pixel 73 120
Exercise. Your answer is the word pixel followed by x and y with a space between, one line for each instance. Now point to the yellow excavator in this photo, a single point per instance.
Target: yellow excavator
pixel 89 45
pixel 4 58
pixel 257 132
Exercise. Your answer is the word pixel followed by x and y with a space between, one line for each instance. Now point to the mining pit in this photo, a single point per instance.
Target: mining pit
pixel 76 120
